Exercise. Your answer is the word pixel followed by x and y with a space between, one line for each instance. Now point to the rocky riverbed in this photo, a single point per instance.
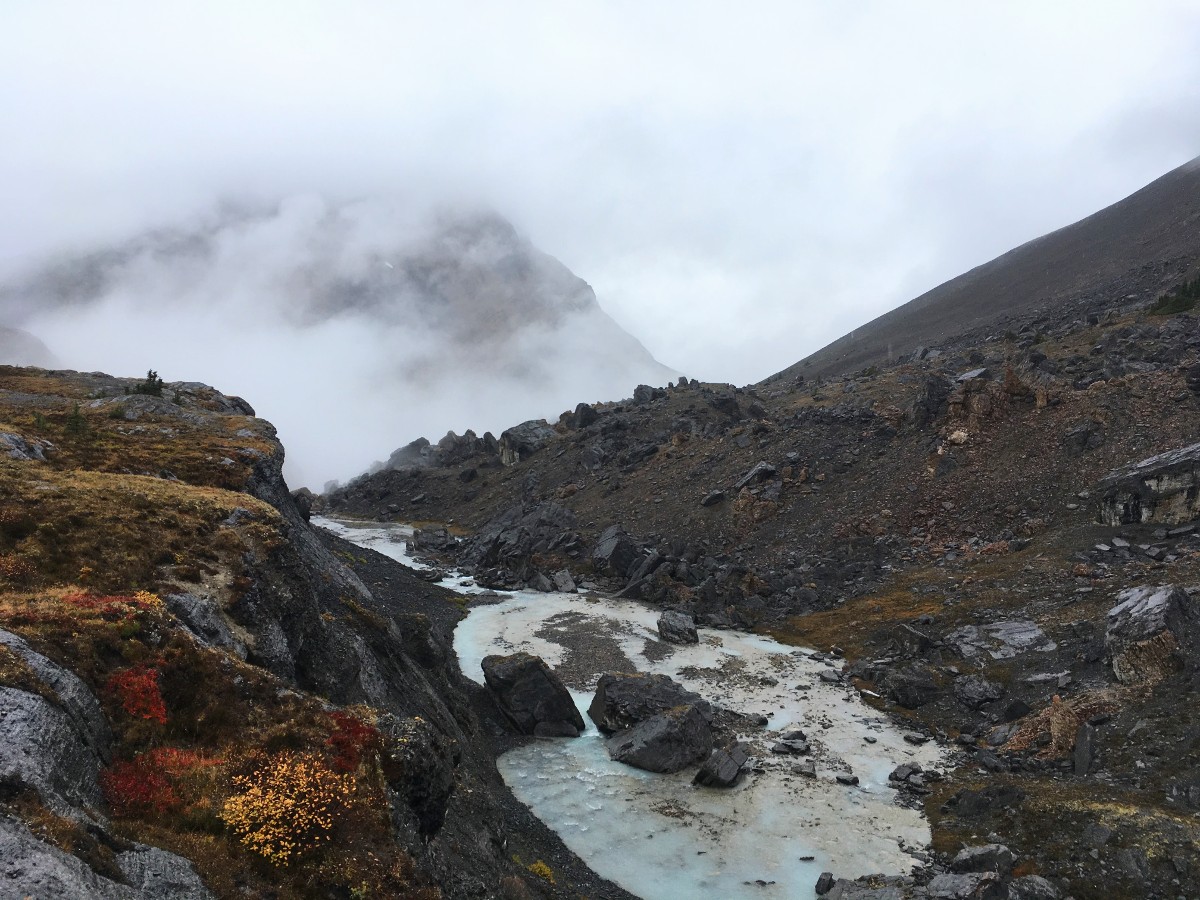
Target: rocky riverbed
pixel 793 817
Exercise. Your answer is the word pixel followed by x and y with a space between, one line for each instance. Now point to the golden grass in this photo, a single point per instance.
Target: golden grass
pixel 113 532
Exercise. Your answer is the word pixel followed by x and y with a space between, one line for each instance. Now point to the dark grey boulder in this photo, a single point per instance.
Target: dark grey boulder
pixel 905 771
pixel 622 700
pixel 1163 489
pixel 304 499
pixel 911 686
pixel 677 627
pixel 791 747
pixel 1084 437
pixel 436 539
pixel 616 552
pixel 666 742
pixel 513 537
pixel 644 394
pixel 723 767
pixel 417 454
pixel 531 696
pixel 930 401
pixel 975 690
pixel 712 498
pixel 986 858
pixel 564 583
pixel 539 582
pixel 1150 630
pixel 584 415
pixel 522 441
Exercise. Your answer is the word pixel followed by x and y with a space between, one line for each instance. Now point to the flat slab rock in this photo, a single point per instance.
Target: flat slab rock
pixel 1000 640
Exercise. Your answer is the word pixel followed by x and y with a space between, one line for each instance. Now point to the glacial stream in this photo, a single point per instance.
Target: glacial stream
pixel 658 836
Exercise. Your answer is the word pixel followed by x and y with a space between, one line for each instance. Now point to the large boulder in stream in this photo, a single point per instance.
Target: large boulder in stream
pixel 520 532
pixel 677 627
pixel 666 742
pixel 531 696
pixel 624 699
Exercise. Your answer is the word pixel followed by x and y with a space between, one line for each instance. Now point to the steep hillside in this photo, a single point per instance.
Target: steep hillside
pixel 201 696
pixel 948 526
pixel 1129 252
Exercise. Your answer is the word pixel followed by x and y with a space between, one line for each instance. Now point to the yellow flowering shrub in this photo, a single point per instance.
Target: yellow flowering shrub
pixel 288 808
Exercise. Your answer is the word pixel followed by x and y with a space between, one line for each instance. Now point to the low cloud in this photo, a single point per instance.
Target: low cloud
pixel 354 328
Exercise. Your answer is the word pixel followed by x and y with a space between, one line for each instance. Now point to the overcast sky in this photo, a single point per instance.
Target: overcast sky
pixel 740 182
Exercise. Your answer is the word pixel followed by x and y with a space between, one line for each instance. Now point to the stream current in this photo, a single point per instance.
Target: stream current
pixel 658 836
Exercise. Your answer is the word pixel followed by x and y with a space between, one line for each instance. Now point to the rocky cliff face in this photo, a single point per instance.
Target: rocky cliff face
pixel 178 647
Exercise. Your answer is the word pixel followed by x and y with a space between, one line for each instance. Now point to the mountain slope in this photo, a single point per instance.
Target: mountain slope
pixel 1139 245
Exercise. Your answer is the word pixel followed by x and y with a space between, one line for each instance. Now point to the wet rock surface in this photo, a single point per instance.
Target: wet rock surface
pixel 665 742
pixel 531 696
pixel 623 700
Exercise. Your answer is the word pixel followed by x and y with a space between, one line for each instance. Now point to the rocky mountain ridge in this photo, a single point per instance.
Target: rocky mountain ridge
pixel 1130 252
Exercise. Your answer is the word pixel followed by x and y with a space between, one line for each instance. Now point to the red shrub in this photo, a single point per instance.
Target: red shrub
pixel 146 785
pixel 176 762
pixel 137 788
pixel 139 693
pixel 352 739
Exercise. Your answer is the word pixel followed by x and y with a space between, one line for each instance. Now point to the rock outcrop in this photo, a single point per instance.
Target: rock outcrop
pixel 1163 489
pixel 1151 631
pixel 524 440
